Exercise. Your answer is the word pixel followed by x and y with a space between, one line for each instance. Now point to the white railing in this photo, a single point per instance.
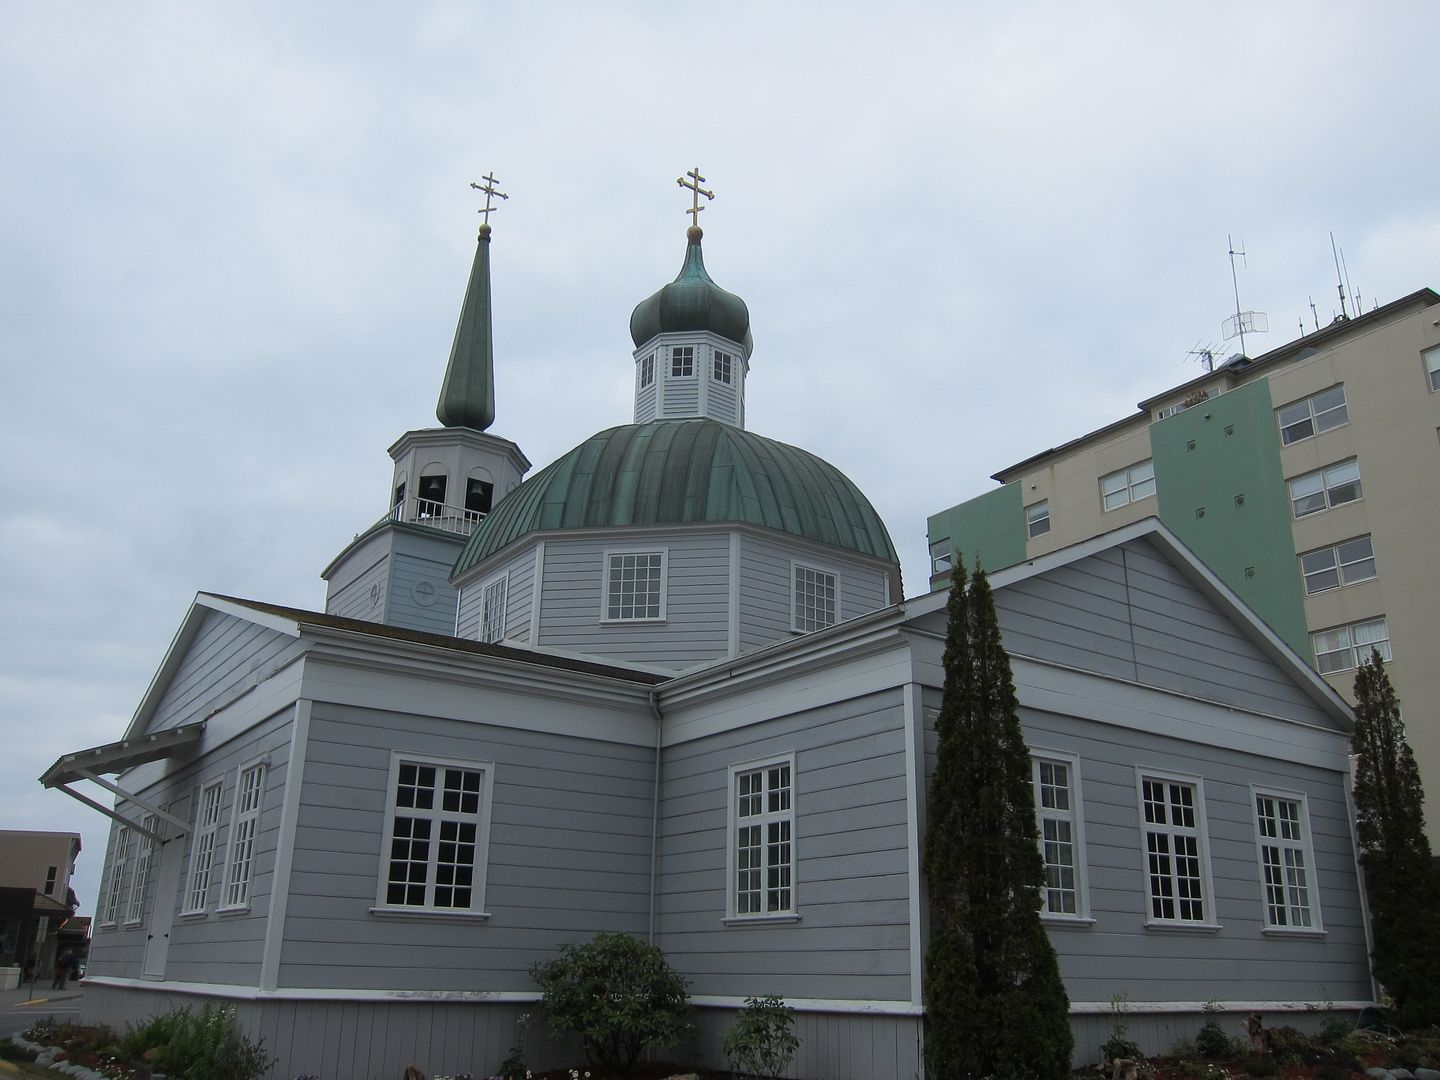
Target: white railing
pixel 437 515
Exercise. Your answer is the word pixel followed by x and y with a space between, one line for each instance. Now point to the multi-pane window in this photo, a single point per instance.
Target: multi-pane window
pixel 1172 820
pixel 635 585
pixel 682 361
pixel 202 857
pixel 647 370
pixel 1344 564
pixel 1057 812
pixel 814 598
pixel 52 873
pixel 763 846
pixel 144 863
pixel 492 610
pixel 117 875
pixel 942 557
pixel 1037 519
pixel 1285 861
pixel 1121 488
pixel 1344 647
pixel 1324 488
pixel 723 367
pixel 1314 414
pixel 1432 366
pixel 242 835
pixel 439 819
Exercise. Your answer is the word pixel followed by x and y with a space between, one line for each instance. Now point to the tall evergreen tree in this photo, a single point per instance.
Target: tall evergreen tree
pixel 1401 879
pixel 995 1002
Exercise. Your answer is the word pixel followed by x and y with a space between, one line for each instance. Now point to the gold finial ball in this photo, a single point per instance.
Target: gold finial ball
pixel 694 233
pixel 484 230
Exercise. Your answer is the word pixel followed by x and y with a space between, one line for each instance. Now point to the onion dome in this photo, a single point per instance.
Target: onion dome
pixel 692 302
pixel 685 472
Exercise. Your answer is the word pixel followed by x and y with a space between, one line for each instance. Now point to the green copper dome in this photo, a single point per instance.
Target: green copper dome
pixel 685 472
pixel 692 302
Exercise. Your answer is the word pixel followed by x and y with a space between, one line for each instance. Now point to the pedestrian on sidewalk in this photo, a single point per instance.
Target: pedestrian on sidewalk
pixel 63 963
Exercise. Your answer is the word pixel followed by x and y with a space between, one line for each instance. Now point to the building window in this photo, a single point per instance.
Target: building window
pixel 1283 837
pixel 242 835
pixel 814 599
pixel 150 824
pixel 1121 488
pixel 762 849
pixel 647 370
pixel 1037 519
pixel 1342 648
pixel 1432 366
pixel 492 610
pixel 1343 564
pixel 479 495
pixel 682 361
pixel 117 875
pixel 635 585
pixel 1172 817
pixel 724 364
pixel 1062 844
pixel 1325 488
pixel 438 827
pixel 1314 414
pixel 202 857
pixel 942 557
pixel 51 875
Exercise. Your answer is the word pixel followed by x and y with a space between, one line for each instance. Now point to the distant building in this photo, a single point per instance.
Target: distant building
pixel 1308 479
pixel 36 901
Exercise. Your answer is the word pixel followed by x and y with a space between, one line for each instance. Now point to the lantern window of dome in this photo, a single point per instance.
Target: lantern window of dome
pixel 682 361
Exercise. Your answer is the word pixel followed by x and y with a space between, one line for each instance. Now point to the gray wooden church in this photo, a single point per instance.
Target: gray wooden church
pixel 668 685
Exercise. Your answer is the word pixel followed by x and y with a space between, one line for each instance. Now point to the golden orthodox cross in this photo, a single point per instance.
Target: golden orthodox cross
pixel 694 185
pixel 489 189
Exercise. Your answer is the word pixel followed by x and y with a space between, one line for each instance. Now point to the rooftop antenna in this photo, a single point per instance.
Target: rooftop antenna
pixel 1256 322
pixel 1313 313
pixel 1339 278
pixel 1204 353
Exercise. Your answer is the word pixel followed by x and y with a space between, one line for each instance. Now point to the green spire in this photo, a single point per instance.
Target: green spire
pixel 467 398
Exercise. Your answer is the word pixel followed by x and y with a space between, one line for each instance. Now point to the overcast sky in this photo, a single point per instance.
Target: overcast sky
pixel 234 240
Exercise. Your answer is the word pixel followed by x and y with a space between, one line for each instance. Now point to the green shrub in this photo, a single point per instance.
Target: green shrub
pixel 618 994
pixel 761 1044
pixel 191 1046
pixel 1211 1041
pixel 1118 1046
pixel 10 1051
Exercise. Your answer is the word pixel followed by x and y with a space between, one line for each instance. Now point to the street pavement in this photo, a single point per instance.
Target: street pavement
pixel 21 1008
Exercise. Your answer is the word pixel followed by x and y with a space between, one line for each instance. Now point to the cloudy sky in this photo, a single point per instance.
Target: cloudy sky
pixel 234 240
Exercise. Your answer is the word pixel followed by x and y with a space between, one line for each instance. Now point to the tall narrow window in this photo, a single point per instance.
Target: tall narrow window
pixel 1176 858
pixel 242 835
pixel 1283 833
pixel 942 556
pixel 438 834
pixel 51 874
pixel 762 849
pixel 202 856
pixel 117 875
pixel 635 585
pixel 492 610
pixel 1037 519
pixel 1058 814
pixel 723 366
pixel 1432 366
pixel 1121 488
pixel 682 361
pixel 815 598
pixel 647 370
pixel 144 862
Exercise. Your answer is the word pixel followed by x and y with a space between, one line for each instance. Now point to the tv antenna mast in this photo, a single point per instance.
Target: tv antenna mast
pixel 1203 353
pixel 1255 322
pixel 1340 281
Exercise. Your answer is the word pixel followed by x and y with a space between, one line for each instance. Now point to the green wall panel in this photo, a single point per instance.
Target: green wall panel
pixel 992 525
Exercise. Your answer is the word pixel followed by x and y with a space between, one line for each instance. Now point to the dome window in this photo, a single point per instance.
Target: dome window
pixel 724 366
pixel 647 371
pixel 682 361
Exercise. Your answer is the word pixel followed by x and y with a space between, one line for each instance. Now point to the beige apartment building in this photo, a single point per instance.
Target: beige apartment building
pixel 1307 478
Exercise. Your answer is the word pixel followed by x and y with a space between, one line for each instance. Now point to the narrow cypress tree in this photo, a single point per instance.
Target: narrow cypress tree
pixel 1401 880
pixel 994 999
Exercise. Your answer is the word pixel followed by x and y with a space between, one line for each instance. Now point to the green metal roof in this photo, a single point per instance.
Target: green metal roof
pixel 685 472
pixel 692 302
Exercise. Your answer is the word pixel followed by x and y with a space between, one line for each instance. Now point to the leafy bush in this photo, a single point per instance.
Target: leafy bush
pixel 761 1044
pixel 1118 1046
pixel 1211 1041
pixel 618 994
pixel 10 1051
pixel 203 1046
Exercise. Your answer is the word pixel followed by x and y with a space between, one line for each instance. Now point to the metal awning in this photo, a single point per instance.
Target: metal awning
pixel 116 757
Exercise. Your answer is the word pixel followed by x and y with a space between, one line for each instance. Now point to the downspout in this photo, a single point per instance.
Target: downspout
pixel 655 811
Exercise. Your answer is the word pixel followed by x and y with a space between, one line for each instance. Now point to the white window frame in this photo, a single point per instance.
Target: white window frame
pixel 492 623
pixel 1319 420
pixel 244 832
pixel 1340 565
pixel 1322 482
pixel 647 370
pixel 609 557
pixel 437 814
pixel 1129 486
pixel 1171 831
pixel 144 865
pixel 722 366
pixel 117 876
pixel 683 360
pixel 1074 818
pixel 797 567
pixel 52 878
pixel 784 884
pixel 1294 917
pixel 204 864
pixel 1431 359
pixel 1037 519
pixel 1356 653
pixel 942 557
